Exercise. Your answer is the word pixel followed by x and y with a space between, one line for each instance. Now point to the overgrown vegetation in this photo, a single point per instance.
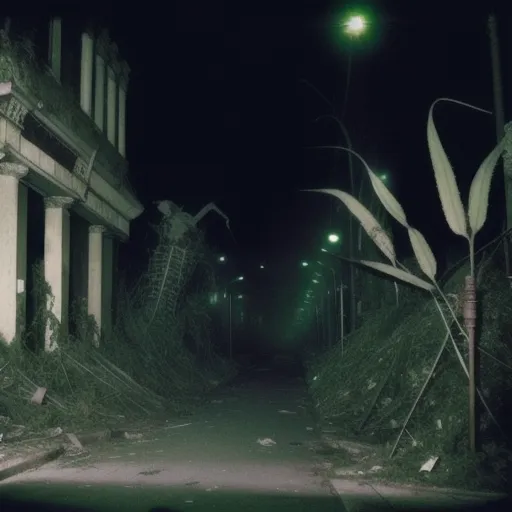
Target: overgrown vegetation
pixel 144 369
pixel 369 390
pixel 397 377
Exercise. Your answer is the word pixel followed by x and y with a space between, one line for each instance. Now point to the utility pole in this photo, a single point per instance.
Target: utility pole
pixel 499 116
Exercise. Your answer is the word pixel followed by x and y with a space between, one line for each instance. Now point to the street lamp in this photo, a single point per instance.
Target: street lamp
pixel 304 263
pixel 333 238
pixel 355 25
pixel 222 259
pixel 237 279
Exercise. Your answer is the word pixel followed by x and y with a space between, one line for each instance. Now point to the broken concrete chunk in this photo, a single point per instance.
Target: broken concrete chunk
pixel 74 441
pixel 38 396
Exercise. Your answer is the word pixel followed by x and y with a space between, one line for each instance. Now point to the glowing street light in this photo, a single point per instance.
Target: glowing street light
pixel 333 238
pixel 355 25
pixel 304 263
pixel 262 266
pixel 222 259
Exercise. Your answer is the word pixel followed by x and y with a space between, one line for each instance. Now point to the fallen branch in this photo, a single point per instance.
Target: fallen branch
pixel 427 380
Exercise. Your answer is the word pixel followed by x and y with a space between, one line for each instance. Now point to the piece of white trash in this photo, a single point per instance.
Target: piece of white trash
pixel 266 442
pixel 429 465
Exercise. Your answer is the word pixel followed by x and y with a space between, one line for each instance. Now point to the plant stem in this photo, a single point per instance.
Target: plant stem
pixel 427 380
pixel 472 256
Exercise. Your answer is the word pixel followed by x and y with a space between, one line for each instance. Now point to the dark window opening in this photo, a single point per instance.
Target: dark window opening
pixel 71 55
pixel 36 133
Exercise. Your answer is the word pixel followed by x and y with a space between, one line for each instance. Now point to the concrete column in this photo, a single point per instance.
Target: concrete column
pixel 22 257
pixel 121 135
pixel 10 174
pixel 107 275
pixel 111 106
pixel 86 68
pixel 99 95
pixel 55 49
pixel 56 266
pixel 94 295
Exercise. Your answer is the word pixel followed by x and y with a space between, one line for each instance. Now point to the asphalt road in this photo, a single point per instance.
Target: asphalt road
pixel 248 449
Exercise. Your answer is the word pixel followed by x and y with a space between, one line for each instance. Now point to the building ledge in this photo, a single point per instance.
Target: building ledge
pixel 59 112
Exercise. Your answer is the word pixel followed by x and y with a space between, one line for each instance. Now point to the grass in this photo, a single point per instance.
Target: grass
pixel 368 391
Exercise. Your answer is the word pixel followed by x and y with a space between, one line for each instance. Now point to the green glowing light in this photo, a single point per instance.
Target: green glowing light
pixel 355 25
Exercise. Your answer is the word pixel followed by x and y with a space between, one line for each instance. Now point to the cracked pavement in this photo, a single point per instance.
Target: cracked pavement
pixel 250 447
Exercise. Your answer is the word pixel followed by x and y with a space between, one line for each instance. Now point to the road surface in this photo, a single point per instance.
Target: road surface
pixel 248 449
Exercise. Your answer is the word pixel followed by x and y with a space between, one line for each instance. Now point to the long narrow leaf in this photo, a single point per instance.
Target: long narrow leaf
pixel 445 180
pixel 367 220
pixel 399 274
pixel 480 188
pixel 423 253
pixel 387 199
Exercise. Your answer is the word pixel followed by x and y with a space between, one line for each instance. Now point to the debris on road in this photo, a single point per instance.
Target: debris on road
pixel 53 432
pixel 429 465
pixel 38 396
pixel 74 441
pixel 131 437
pixel 178 426
pixel 266 441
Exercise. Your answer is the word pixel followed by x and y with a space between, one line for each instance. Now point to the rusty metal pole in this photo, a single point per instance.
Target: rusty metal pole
pixel 470 323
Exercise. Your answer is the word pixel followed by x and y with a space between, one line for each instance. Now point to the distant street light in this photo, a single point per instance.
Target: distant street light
pixel 304 263
pixel 262 266
pixel 222 259
pixel 333 238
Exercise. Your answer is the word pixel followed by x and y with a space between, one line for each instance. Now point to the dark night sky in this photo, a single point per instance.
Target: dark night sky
pixel 217 111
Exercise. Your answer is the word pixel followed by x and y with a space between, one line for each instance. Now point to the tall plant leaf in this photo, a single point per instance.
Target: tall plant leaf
pixel 423 253
pixel 480 188
pixel 367 220
pixel 387 199
pixel 399 274
pixel 445 180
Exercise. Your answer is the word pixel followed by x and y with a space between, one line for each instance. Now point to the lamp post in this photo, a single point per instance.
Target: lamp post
pixel 348 141
pixel 237 279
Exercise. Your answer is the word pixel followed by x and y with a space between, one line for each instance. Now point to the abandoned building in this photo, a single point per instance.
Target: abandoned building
pixel 65 199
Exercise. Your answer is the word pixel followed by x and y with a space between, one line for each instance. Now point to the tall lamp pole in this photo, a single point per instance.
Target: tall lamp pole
pixel 499 116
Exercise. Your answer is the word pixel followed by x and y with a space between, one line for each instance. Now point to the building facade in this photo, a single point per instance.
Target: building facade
pixel 63 143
